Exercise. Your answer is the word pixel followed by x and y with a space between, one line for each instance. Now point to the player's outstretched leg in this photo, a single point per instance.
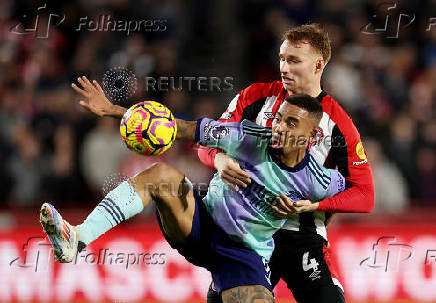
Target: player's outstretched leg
pixel 247 294
pixel 161 182
pixel 173 195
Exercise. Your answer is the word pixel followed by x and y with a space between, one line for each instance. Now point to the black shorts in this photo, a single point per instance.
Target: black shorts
pixel 231 263
pixel 302 260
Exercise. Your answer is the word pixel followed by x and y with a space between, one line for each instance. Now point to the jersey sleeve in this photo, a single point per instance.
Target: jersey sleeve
pixel 337 183
pixel 237 110
pixel 349 156
pixel 226 136
pixel 237 139
pixel 233 113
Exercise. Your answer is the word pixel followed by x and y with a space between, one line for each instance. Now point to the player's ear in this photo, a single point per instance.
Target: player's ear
pixel 319 65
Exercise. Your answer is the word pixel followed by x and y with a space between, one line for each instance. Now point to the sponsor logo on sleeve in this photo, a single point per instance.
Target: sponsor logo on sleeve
pixel 360 151
pixel 219 132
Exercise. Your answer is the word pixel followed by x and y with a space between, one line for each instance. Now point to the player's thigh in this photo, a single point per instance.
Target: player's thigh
pixel 281 265
pixel 307 273
pixel 247 294
pixel 174 197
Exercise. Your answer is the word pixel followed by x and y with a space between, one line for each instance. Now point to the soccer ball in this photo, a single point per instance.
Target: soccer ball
pixel 148 128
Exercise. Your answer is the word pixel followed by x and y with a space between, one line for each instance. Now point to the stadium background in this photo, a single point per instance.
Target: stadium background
pixel 50 149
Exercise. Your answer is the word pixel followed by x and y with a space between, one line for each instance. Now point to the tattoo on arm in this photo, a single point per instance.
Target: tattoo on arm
pixel 117 111
pixel 186 130
pixel 247 294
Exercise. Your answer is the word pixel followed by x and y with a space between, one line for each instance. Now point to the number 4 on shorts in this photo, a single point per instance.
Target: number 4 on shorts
pixel 312 265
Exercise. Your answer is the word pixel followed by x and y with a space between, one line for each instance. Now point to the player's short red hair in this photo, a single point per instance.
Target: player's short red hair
pixel 314 34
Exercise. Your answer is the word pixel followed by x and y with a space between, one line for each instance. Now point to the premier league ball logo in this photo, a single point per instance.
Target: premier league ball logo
pixel 219 132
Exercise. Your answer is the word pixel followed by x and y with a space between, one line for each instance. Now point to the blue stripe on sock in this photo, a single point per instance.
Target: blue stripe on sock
pixel 117 207
pixel 108 210
pixel 114 211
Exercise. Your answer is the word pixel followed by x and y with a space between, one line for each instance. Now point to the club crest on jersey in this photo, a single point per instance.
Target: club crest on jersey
pixel 317 138
pixel 226 116
pixel 269 115
pixel 219 132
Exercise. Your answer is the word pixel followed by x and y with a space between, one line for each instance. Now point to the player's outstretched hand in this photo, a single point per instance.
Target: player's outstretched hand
pixel 95 100
pixel 287 207
pixel 230 171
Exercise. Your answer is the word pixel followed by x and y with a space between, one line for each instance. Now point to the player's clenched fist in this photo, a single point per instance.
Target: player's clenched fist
pixel 286 207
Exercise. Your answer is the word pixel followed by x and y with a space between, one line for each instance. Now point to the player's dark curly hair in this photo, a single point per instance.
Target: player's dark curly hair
pixel 314 34
pixel 308 103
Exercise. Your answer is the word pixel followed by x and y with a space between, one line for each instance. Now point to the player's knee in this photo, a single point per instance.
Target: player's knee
pixel 153 174
pixel 159 178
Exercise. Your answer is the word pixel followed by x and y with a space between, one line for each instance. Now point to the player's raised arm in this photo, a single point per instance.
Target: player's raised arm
pixel 228 169
pixel 95 100
pixel 186 130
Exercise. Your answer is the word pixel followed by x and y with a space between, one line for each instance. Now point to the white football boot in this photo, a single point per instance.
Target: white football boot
pixel 63 236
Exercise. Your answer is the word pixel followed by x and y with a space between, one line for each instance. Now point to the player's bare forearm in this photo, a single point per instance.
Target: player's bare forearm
pixel 116 112
pixel 186 130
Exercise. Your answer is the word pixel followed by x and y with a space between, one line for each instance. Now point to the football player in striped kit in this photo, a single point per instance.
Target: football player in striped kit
pixel 302 254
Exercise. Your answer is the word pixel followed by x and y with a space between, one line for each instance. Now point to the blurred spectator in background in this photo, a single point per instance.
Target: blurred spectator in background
pixel 387 86
pixel 403 133
pixel 63 183
pixel 102 152
pixel 426 175
pixel 391 190
pixel 28 167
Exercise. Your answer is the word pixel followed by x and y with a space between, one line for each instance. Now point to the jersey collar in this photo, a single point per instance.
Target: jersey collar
pixel 321 96
pixel 282 165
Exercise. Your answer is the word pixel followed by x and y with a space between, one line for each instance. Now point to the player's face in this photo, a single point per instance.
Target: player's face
pixel 300 66
pixel 291 128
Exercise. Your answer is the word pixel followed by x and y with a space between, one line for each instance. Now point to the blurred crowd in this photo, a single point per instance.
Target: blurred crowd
pixel 51 149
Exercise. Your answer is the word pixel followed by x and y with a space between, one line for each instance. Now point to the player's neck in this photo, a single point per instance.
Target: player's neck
pixel 313 90
pixel 293 158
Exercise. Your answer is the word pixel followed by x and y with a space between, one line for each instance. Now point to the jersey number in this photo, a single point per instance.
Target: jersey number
pixel 312 265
